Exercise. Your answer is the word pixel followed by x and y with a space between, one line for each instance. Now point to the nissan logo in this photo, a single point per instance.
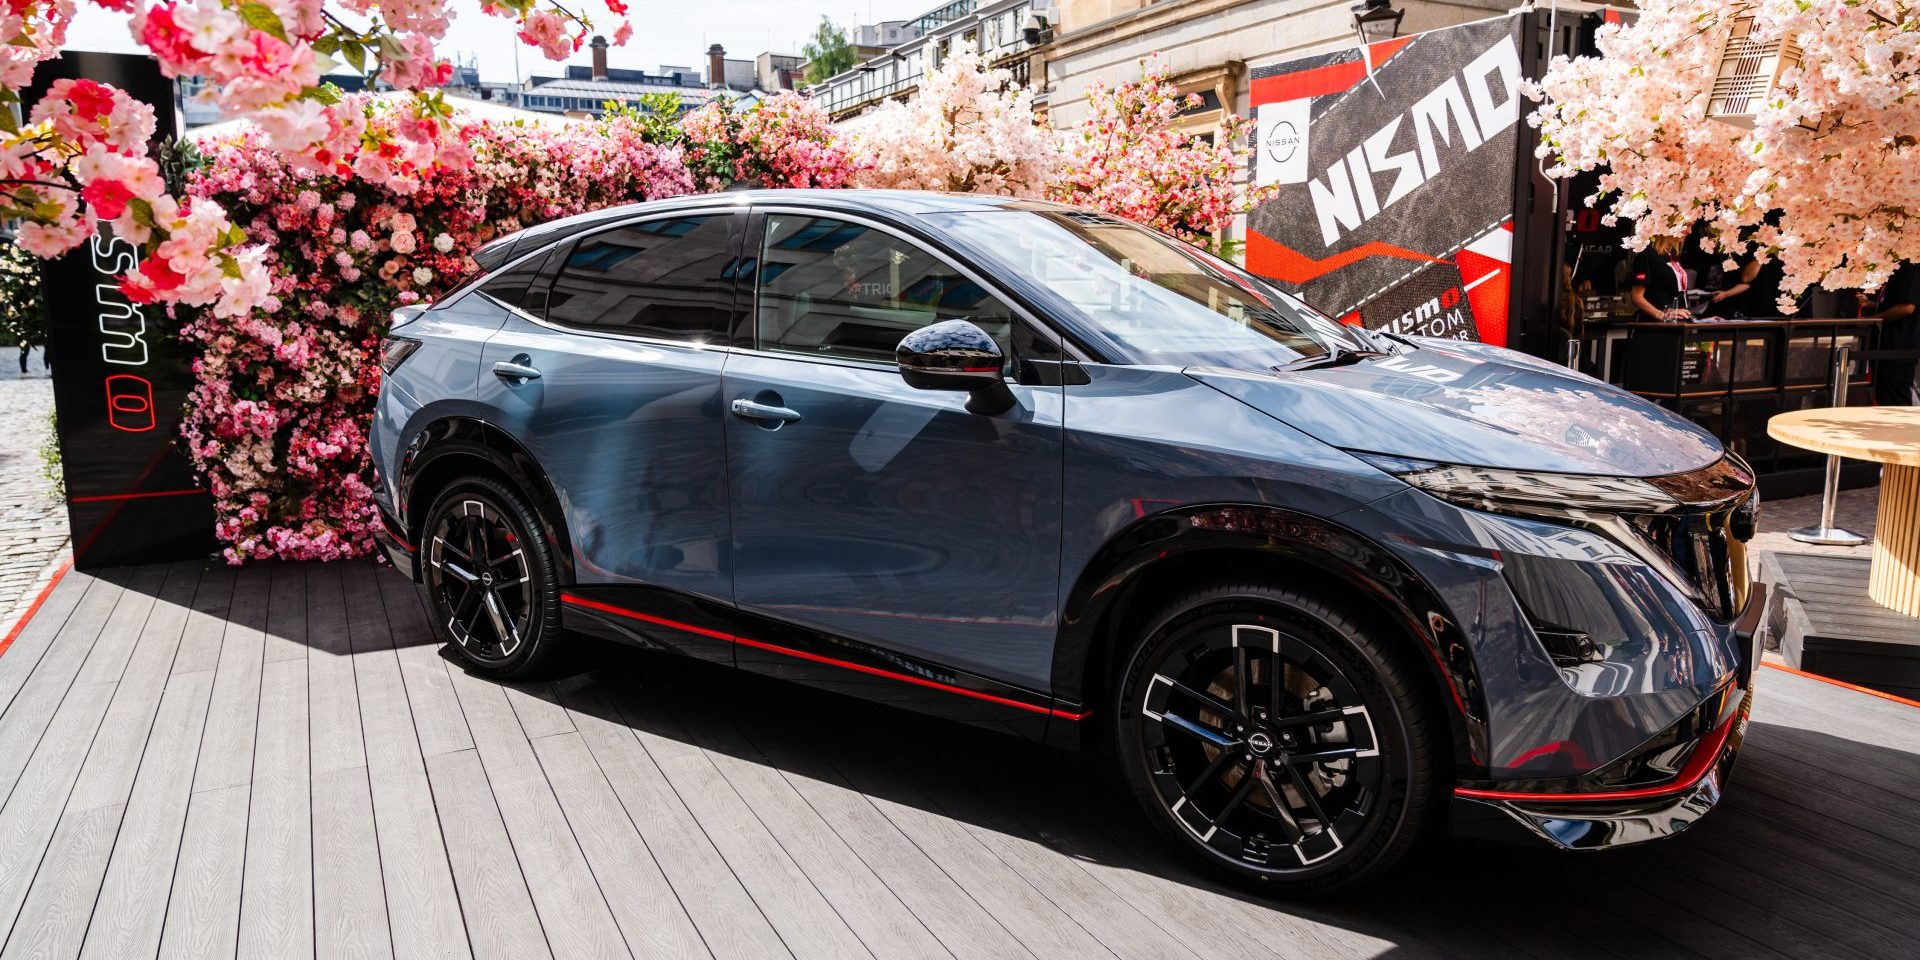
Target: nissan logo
pixel 1282 141
pixel 1260 743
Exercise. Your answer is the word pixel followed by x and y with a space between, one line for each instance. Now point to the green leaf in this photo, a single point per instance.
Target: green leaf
pixel 230 266
pixel 327 44
pixel 355 55
pixel 262 18
pixel 8 123
pixel 142 212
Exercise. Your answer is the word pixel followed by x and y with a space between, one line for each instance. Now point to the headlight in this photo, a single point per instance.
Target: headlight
pixel 1689 526
pixel 395 350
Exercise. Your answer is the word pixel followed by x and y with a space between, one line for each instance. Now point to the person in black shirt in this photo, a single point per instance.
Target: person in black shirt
pixel 1893 380
pixel 1658 285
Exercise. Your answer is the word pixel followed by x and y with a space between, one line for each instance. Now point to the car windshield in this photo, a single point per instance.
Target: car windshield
pixel 1157 300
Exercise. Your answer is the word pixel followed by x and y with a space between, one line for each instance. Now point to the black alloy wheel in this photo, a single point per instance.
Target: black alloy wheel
pixel 494 594
pixel 1275 740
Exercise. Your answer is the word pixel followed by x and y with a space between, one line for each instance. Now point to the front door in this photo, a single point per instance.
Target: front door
pixel 877 518
pixel 624 414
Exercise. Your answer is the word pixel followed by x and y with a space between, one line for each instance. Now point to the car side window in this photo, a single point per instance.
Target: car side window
pixel 665 279
pixel 834 288
pixel 512 287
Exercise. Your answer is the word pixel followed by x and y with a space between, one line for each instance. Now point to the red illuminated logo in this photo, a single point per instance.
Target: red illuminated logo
pixel 129 403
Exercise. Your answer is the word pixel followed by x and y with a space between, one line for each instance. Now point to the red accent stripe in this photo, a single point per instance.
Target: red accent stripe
pixel 1319 81
pixel 1856 688
pixel 817 658
pixel 1698 765
pixel 402 540
pixel 1271 258
pixel 34 607
pixel 136 496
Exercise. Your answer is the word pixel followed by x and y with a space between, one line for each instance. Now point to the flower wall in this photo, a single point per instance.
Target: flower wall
pixel 277 422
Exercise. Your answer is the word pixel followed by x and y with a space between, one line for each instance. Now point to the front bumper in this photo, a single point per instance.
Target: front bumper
pixel 1602 819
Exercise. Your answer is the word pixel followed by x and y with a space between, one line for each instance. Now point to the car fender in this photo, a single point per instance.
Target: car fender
pixel 1083 659
pixel 459 435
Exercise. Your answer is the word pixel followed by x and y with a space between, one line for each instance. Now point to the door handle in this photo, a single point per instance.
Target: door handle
pixel 510 370
pixel 748 410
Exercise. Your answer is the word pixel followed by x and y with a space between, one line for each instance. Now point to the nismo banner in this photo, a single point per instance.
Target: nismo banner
pixel 120 376
pixel 1396 166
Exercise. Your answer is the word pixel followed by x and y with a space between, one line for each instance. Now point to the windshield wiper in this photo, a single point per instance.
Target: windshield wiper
pixel 1334 357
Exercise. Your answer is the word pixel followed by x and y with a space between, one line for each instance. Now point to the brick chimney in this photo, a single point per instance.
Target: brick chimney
pixel 716 66
pixel 599 57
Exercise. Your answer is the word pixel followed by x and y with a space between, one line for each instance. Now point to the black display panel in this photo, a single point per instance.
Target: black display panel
pixel 120 376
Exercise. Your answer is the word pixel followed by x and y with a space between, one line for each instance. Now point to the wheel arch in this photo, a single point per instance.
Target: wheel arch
pixel 1155 559
pixel 454 447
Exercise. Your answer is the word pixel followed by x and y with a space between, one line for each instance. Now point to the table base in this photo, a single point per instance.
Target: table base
pixel 1894 582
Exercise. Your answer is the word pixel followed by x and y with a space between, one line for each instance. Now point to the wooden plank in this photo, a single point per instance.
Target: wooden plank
pixel 131 907
pixel 730 923
pixel 203 909
pixel 286 626
pixel 645 906
pixel 54 919
pixel 226 746
pixel 436 712
pixel 423 908
pixel 107 776
pixel 47 627
pixel 121 634
pixel 874 912
pixel 501 922
pixel 807 922
pixel 349 894
pixel 27 716
pixel 966 929
pixel 207 622
pixel 32 811
pixel 277 897
pixel 573 912
pixel 338 743
pixel 538 708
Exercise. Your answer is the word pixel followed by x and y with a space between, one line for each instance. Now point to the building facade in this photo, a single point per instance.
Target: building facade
pixel 1006 34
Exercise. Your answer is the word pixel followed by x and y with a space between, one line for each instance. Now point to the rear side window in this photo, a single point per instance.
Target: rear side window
pixel 511 287
pixel 833 288
pixel 665 279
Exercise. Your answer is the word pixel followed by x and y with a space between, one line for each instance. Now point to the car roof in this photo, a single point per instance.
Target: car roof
pixel 899 203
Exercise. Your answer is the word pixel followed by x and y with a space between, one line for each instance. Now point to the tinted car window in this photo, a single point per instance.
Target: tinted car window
pixel 664 278
pixel 1157 299
pixel 834 288
pixel 510 287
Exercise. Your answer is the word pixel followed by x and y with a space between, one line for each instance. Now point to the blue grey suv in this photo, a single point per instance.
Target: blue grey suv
pixel 1319 589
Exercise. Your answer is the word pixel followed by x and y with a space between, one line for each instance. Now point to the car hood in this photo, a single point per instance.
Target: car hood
pixel 1474 404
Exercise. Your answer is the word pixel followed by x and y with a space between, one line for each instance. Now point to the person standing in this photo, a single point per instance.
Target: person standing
pixel 1893 380
pixel 1657 285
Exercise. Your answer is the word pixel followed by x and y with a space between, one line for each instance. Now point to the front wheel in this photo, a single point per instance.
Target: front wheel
pixel 491 580
pixel 1276 739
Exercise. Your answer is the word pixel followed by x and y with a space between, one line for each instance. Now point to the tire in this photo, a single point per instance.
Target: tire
pixel 484 514
pixel 1213 764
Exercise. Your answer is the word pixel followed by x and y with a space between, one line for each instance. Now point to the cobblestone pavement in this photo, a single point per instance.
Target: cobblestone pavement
pixel 33 523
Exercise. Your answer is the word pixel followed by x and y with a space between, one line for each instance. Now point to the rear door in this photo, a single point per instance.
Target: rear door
pixel 886 525
pixel 610 378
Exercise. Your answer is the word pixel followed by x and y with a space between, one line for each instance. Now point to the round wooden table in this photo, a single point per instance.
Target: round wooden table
pixel 1890 435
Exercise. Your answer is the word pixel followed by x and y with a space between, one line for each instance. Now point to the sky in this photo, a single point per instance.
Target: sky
pixel 675 32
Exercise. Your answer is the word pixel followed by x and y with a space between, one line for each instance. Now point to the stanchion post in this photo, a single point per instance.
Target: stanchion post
pixel 1826 534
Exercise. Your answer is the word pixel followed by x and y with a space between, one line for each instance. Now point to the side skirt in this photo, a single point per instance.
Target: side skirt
pixel 717 633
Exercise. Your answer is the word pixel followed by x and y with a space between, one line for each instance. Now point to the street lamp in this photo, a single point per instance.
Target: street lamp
pixel 1376 20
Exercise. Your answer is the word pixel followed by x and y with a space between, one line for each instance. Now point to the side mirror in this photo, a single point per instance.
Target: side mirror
pixel 956 355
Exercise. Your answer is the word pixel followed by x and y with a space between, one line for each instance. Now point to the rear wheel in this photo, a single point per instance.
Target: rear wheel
pixel 495 596
pixel 1276 739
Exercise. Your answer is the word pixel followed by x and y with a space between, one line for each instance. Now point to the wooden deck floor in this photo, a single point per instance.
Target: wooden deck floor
pixel 278 762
